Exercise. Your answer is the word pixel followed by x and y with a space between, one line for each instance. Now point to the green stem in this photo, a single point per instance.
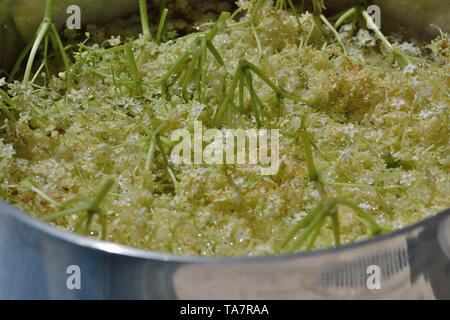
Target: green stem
pixel 375 229
pixel 359 185
pixel 151 150
pixel 104 225
pixel 243 68
pixel 215 53
pixel 202 70
pixel 87 223
pixel 199 60
pixel 241 95
pixel 215 29
pixel 161 25
pixel 317 7
pixel 278 107
pixel 80 223
pixel 309 229
pixel 336 34
pixel 42 31
pixel 95 203
pixel 120 81
pixel 67 212
pixel 270 83
pixel 347 14
pixel 199 77
pixel 166 162
pixel 5 109
pixel 150 154
pixel 189 74
pixel 20 59
pixel 47 69
pixel 8 114
pixel 249 80
pixel 133 68
pixel 316 233
pixel 44 196
pixel 49 10
pixel 63 55
pixel 312 172
pixel 378 32
pixel 235 13
pixel 335 226
pixel 253 27
pixel 300 225
pixel 229 97
pixel 327 208
pixel 144 20
pixel 176 65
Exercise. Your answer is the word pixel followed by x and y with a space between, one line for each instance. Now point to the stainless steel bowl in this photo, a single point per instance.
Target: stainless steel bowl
pixel 413 262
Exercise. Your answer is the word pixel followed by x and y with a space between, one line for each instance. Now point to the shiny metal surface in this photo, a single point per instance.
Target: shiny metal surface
pixel 414 262
pixel 418 17
pixel 34 257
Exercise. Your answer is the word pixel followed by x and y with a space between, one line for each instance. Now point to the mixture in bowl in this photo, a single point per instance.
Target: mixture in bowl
pixel 363 124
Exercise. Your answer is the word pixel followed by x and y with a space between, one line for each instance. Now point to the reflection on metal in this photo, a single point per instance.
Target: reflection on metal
pixel 353 273
pixel 34 257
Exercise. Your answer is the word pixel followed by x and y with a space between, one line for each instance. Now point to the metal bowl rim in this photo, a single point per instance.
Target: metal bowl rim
pixel 123 250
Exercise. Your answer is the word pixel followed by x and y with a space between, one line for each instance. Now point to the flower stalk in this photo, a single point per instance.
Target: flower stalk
pixel 91 206
pixel 47 30
pixel 315 220
pixel 242 77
